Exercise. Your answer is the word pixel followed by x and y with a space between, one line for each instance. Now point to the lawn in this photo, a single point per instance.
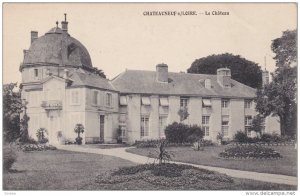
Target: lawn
pixel 64 170
pixel 58 170
pixel 286 165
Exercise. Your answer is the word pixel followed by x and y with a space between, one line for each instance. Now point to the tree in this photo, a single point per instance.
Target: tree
pixel 285 48
pixel 12 107
pixel 242 70
pixel 257 123
pixel 279 97
pixel 99 72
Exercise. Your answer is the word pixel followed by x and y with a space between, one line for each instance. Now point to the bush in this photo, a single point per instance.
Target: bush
pixel 181 133
pixel 241 137
pixel 9 158
pixel 36 147
pixel 249 152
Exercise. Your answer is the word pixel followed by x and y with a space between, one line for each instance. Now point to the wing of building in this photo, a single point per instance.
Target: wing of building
pixel 62 90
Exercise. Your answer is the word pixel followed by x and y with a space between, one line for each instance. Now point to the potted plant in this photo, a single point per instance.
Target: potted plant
pixel 78 129
pixel 220 138
pixel 40 134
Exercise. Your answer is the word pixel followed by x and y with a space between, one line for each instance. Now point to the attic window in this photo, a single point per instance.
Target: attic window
pixel 164 101
pixel 146 101
pixel 207 83
pixel 123 100
pixel 206 102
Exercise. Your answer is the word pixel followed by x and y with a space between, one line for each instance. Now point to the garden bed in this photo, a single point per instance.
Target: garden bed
pixel 36 147
pixel 249 152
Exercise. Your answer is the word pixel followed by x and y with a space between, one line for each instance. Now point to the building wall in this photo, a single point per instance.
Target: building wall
pixel 236 117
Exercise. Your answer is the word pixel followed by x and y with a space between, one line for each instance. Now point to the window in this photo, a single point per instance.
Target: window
pixel 123 100
pixel 74 97
pixel 109 99
pixel 144 126
pixel 206 102
pixel 122 124
pixel 248 103
pixel 162 125
pixel 225 125
pixel 95 97
pixel 184 101
pixel 36 73
pixel 205 125
pixel 146 101
pixel 163 101
pixel 248 123
pixel 225 103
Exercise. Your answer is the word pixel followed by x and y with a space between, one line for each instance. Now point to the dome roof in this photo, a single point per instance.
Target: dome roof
pixel 57 47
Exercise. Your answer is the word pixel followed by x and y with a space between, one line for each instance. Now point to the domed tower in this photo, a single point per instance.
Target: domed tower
pixel 52 53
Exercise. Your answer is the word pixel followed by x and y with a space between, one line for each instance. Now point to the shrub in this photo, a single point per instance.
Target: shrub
pixel 241 137
pixel 162 154
pixel 181 133
pixel 40 134
pixel 36 147
pixel 249 152
pixel 9 157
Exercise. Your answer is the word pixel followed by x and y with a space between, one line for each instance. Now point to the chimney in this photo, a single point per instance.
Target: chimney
pixel 265 78
pixel 224 77
pixel 64 24
pixel 162 73
pixel 34 35
pixel 25 53
pixel 66 74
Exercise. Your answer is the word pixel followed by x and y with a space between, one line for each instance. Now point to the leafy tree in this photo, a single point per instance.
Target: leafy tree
pixel 99 72
pixel 242 70
pixel 12 107
pixel 279 97
pixel 257 123
pixel 285 48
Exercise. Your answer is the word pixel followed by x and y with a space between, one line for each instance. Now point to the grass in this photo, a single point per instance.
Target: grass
pixel 64 170
pixel 286 165
pixel 58 170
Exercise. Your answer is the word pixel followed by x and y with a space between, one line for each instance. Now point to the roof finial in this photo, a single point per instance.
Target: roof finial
pixel 265 63
pixel 65 17
pixel 56 24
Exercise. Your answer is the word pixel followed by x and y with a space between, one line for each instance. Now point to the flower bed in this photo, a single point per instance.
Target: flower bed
pixel 36 147
pixel 265 144
pixel 167 175
pixel 249 151
pixel 154 143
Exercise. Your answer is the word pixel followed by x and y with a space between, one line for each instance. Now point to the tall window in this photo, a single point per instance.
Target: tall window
pixel 225 125
pixel 205 125
pixel 95 97
pixel 109 99
pixel 36 73
pixel 184 101
pixel 248 123
pixel 144 126
pixel 225 103
pixel 248 103
pixel 74 97
pixel 162 125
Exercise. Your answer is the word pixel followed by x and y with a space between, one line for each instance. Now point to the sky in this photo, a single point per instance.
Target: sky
pixel 119 36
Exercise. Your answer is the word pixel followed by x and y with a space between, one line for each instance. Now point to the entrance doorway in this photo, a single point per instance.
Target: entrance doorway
pixel 102 128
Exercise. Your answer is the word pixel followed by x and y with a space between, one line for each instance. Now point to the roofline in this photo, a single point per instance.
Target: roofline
pixel 91 87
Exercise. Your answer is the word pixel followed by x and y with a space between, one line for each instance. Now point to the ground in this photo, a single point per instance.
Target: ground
pixel 64 170
pixel 286 165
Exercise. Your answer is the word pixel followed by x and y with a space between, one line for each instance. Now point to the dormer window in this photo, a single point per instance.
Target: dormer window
pixel 163 101
pixel 123 100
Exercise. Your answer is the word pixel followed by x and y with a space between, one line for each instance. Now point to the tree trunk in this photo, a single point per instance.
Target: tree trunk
pixel 283 121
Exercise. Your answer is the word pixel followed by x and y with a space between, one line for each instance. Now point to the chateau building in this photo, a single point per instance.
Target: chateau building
pixel 61 90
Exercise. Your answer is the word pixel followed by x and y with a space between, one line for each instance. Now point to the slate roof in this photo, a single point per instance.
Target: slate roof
pixel 53 46
pixel 82 78
pixel 144 82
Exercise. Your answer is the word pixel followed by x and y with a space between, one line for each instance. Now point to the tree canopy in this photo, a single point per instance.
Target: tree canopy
pixel 279 97
pixel 242 70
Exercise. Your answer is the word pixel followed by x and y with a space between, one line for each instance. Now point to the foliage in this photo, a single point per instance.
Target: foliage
pixel 36 147
pixel 183 113
pixel 12 107
pixel 24 137
pixel 285 48
pixel 279 99
pixel 9 158
pixel 79 128
pixel 40 134
pixel 249 152
pixel 99 72
pixel 257 123
pixel 181 133
pixel 241 137
pixel 220 136
pixel 242 70
pixel 162 155
pixel 153 143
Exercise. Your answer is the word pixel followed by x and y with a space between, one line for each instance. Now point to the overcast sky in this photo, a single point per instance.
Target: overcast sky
pixel 119 36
